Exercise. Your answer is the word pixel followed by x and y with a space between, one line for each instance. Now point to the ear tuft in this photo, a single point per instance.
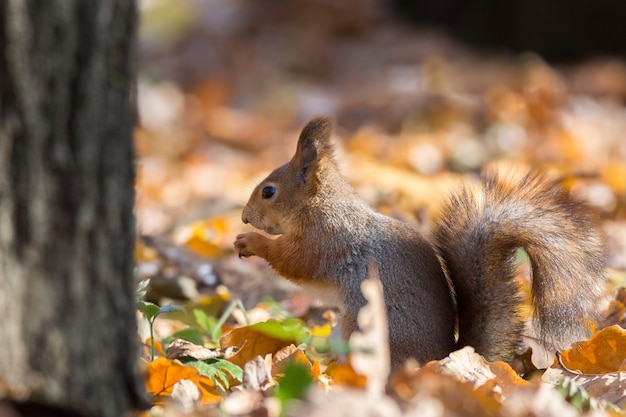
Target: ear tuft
pixel 319 129
pixel 314 142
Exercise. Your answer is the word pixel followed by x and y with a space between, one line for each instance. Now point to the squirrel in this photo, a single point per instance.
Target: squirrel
pixel 462 281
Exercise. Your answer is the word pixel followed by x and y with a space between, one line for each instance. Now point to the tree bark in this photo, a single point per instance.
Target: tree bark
pixel 66 205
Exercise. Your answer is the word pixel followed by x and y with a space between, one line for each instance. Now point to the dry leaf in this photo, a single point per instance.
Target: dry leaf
pixel 427 391
pixel 345 403
pixel 597 365
pixel 609 387
pixel 468 366
pixel 144 253
pixel 158 348
pixel 616 311
pixel 242 402
pixel 614 174
pixel 182 348
pixel 186 393
pixel 605 352
pixel 370 344
pixel 208 237
pixel 253 343
pixel 344 374
pixel 538 400
pixel 286 355
pixel 257 374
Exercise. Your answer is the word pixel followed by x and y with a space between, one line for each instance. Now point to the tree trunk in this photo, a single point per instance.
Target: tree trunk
pixel 66 205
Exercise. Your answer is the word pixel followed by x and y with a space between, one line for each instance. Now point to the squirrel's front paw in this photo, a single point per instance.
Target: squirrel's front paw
pixel 244 244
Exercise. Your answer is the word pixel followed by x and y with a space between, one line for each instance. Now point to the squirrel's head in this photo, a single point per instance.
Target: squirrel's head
pixel 277 202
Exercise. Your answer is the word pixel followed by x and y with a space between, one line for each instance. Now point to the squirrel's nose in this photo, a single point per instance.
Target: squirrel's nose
pixel 244 215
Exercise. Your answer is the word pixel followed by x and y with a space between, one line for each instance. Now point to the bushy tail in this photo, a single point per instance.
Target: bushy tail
pixel 477 239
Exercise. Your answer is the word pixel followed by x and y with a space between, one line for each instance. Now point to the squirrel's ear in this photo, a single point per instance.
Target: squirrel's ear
pixel 314 143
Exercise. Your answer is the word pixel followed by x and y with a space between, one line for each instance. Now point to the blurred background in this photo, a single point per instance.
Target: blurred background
pixel 425 93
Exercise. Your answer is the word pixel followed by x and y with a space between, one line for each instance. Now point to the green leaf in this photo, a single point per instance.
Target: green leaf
pixel 205 322
pixel 170 309
pixel 189 334
pixel 294 383
pixel 291 329
pixel 141 289
pixel 216 369
pixel 150 310
pixel 275 308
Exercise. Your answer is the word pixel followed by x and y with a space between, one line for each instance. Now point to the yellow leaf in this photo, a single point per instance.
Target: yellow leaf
pixel 322 331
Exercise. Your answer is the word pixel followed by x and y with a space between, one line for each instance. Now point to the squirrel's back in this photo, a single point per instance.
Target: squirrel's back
pixel 477 238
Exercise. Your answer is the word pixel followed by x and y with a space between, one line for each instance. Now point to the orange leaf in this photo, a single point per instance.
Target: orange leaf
pixel 614 174
pixel 206 237
pixel 315 369
pixel 144 253
pixel 158 347
pixel 288 354
pixel 162 374
pixel 605 352
pixel 506 378
pixel 202 247
pixel 345 375
pixel 253 343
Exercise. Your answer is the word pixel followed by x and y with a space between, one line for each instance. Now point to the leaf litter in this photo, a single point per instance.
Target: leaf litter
pixel 221 104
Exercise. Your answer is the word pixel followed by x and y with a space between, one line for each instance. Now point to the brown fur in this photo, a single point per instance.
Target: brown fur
pixel 328 235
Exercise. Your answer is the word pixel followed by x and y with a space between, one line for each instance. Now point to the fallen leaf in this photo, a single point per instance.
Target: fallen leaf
pixel 163 374
pixel 609 387
pixel 254 341
pixel 257 374
pixel 537 400
pixel 616 311
pixel 427 391
pixel 182 348
pixel 186 393
pixel 289 354
pixel 205 237
pixel 344 374
pixel 347 403
pixel 242 403
pixel 605 352
pixel 370 344
pixel 614 174
pixel 158 348
pixel 468 366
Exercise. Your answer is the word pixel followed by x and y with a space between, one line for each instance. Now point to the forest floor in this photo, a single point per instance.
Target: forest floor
pixel 224 89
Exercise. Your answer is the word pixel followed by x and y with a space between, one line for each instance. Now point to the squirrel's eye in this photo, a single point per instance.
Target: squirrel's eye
pixel 268 192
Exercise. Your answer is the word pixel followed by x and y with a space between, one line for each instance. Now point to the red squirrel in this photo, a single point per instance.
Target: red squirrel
pixel 463 279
